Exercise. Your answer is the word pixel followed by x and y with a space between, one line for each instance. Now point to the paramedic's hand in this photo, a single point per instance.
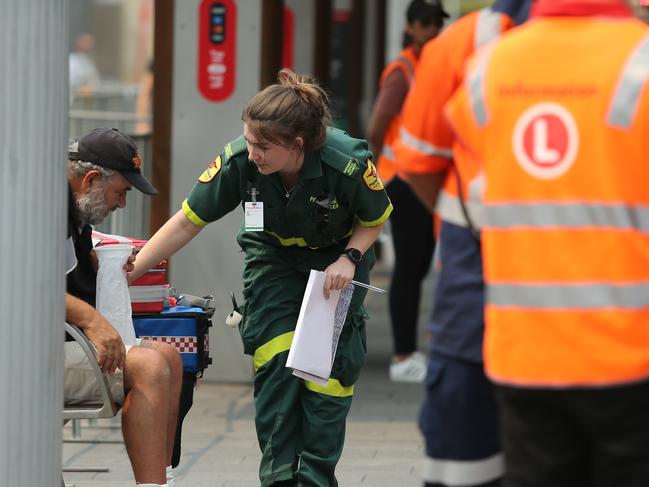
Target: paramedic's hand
pixel 129 266
pixel 339 275
pixel 111 352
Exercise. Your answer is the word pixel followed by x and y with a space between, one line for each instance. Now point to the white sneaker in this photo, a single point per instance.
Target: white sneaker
pixel 412 369
pixel 419 356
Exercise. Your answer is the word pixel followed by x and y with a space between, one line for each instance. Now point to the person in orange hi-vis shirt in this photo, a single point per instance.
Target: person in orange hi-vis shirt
pixel 459 418
pixel 411 223
pixel 556 115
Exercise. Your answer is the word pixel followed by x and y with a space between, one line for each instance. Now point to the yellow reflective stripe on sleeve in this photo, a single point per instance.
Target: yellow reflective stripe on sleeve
pixel 333 388
pixel 378 221
pixel 193 217
pixel 268 350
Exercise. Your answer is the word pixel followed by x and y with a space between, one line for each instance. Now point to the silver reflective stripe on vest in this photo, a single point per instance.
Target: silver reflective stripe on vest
pixel 476 90
pixel 633 78
pixel 543 215
pixel 487 27
pixel 463 472
pixel 450 210
pixel 422 146
pixel 476 208
pixel 409 67
pixel 387 152
pixel 576 297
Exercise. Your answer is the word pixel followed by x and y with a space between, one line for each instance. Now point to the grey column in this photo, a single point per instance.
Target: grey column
pixel 33 133
pixel 212 262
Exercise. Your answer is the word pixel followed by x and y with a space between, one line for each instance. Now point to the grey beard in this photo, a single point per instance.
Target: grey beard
pixel 92 207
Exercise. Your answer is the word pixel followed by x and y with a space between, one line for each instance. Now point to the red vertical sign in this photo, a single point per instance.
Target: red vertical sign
pixel 217 36
pixel 289 39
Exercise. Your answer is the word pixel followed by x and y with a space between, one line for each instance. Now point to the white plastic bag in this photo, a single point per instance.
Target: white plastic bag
pixel 113 299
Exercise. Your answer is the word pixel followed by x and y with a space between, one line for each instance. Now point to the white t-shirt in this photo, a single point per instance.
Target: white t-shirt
pixel 71 256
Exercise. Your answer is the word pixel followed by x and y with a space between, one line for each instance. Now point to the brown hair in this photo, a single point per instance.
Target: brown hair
pixel 296 106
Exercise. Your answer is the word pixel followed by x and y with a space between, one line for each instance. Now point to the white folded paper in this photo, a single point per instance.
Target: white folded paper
pixel 318 328
pixel 113 299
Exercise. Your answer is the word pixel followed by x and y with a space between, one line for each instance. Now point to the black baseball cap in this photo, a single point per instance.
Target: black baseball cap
pixel 113 149
pixel 425 11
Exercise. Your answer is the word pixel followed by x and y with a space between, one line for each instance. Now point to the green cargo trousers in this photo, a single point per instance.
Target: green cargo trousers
pixel 300 424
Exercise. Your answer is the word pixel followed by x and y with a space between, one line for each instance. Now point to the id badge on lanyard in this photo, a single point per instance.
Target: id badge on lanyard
pixel 253 214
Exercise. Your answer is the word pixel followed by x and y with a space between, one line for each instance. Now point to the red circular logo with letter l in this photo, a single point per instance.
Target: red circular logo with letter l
pixel 546 140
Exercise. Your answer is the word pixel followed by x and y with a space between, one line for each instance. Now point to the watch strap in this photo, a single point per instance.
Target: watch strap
pixel 353 254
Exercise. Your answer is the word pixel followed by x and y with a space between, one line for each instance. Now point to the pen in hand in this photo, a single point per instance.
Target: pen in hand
pixel 371 288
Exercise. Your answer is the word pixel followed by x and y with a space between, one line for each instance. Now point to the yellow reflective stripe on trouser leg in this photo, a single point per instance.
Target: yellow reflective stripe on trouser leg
pixel 333 388
pixel 268 350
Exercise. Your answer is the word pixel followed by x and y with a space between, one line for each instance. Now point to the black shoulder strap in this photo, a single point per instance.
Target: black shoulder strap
pixel 465 211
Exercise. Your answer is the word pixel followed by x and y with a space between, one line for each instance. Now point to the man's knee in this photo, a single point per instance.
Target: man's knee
pixel 146 366
pixel 170 354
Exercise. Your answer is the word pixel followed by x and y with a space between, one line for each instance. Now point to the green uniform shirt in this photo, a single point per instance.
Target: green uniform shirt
pixel 338 185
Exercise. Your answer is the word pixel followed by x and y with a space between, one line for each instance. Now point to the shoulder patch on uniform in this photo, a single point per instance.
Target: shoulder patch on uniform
pixel 211 172
pixel 351 167
pixel 342 162
pixel 237 146
pixel 371 177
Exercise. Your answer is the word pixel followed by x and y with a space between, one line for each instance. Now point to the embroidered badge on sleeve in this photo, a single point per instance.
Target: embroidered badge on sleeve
pixel 371 178
pixel 211 172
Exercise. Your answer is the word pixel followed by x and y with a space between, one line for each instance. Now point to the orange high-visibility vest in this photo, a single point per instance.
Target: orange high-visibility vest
pixel 425 143
pixel 557 113
pixel 407 63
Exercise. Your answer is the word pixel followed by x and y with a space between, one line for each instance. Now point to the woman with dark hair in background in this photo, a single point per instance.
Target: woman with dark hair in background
pixel 411 223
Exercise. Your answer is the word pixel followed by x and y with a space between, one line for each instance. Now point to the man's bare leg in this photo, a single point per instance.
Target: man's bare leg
pixel 175 364
pixel 145 413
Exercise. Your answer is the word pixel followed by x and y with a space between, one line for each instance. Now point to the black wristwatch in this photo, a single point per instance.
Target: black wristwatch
pixel 354 255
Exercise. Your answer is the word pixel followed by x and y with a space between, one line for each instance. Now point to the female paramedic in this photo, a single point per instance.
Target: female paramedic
pixel 312 199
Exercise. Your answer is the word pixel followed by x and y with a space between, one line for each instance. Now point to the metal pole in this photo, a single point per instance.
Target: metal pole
pixel 33 138
pixel 272 37
pixel 379 36
pixel 76 428
pixel 322 46
pixel 162 106
pixel 357 63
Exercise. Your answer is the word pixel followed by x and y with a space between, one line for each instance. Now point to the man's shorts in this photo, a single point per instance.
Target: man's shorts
pixel 80 383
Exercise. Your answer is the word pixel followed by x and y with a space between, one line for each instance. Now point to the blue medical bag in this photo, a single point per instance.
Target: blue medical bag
pixel 184 327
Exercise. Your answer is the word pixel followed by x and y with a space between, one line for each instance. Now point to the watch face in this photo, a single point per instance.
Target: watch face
pixel 355 255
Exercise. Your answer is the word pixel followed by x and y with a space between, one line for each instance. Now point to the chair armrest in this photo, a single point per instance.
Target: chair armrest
pixel 107 408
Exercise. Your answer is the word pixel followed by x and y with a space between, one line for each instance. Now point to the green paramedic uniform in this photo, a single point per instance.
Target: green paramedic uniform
pixel 300 424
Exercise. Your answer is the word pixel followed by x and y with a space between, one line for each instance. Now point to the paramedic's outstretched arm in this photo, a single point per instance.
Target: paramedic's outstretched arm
pixel 172 237
pixel 111 352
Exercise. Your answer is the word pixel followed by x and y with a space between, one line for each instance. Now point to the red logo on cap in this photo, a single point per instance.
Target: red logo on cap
pixel 137 161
